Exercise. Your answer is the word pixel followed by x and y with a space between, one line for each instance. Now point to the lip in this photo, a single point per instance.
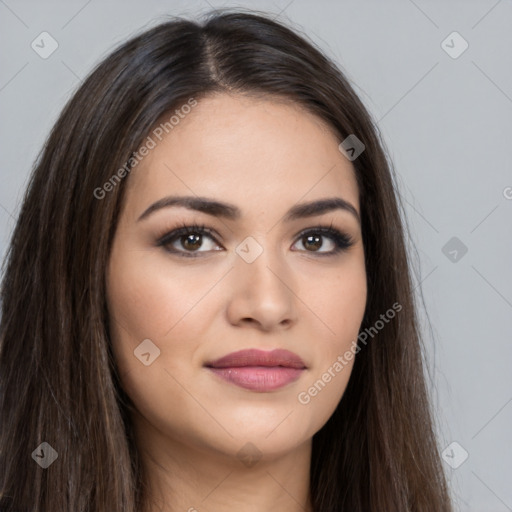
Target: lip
pixel 259 370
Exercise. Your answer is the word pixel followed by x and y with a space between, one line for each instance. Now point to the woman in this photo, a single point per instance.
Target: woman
pixel 207 299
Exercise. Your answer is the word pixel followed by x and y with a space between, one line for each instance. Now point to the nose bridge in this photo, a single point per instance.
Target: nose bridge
pixel 261 266
pixel 263 288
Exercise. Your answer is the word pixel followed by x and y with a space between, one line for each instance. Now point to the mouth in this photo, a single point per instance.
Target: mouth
pixel 258 370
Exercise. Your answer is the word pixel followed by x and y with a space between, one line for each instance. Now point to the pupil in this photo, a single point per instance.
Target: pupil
pixel 314 242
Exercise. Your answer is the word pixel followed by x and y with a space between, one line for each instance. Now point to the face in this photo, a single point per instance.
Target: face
pixel 255 271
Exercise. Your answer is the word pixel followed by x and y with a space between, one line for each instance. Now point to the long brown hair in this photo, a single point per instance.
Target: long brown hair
pixel 58 379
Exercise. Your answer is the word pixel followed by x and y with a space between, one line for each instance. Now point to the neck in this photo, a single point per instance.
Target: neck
pixel 185 478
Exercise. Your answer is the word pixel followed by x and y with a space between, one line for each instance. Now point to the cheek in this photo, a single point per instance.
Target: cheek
pixel 149 298
pixel 340 305
pixel 338 300
pixel 148 301
pixel 143 305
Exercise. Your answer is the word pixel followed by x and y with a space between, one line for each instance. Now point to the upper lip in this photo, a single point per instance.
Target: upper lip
pixel 254 357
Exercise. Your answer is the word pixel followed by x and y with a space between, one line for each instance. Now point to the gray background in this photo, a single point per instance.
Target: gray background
pixel 447 123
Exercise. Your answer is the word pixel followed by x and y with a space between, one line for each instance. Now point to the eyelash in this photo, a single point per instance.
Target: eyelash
pixel 342 240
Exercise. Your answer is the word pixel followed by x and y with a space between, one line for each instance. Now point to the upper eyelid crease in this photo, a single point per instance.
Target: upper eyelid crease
pixel 205 230
pixel 232 212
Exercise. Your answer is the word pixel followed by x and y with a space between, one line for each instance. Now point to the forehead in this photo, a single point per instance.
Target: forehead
pixel 244 150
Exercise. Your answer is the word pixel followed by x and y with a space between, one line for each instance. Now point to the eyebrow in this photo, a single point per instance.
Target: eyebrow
pixel 232 212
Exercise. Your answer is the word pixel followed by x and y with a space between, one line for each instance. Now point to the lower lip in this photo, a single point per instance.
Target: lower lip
pixel 259 378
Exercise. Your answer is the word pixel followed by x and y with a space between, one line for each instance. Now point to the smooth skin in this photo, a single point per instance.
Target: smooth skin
pixel 263 156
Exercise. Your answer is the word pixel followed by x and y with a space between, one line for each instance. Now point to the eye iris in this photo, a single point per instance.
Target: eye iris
pixel 313 241
pixel 191 241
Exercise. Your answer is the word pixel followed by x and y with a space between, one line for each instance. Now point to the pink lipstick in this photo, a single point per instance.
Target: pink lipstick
pixel 258 370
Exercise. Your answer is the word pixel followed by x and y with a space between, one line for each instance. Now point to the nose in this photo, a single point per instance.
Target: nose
pixel 262 294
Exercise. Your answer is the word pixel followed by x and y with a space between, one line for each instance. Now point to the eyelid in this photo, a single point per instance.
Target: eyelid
pixel 183 229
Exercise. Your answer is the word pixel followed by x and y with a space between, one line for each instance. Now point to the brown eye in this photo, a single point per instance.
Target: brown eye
pixel 313 240
pixel 191 242
pixel 188 240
